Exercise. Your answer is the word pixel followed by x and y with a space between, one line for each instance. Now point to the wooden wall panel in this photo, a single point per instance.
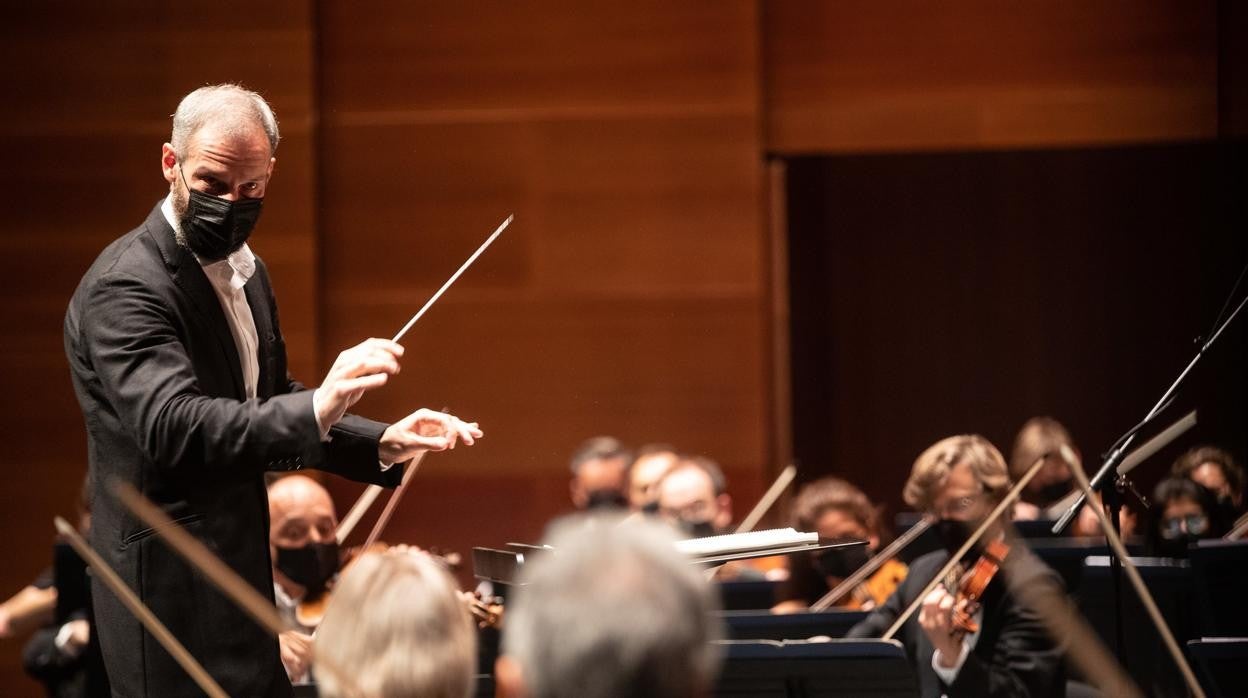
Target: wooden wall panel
pixel 90 88
pixel 627 298
pixel 863 75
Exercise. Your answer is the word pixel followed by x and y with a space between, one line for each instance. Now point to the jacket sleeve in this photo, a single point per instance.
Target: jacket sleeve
pixel 145 372
pixel 884 615
pixel 1025 660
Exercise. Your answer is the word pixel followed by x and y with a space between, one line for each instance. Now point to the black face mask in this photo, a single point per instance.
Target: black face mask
pixel 954 534
pixel 1053 492
pixel 606 499
pixel 841 562
pixel 213 227
pixel 697 529
pixel 310 566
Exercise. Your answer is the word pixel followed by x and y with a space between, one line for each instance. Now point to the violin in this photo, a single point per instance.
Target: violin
pixel 970 589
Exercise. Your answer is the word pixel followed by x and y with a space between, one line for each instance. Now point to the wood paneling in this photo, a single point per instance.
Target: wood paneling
pixel 862 75
pixel 90 88
pixel 627 298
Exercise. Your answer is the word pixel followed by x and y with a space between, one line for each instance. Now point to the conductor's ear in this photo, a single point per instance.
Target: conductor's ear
pixel 508 678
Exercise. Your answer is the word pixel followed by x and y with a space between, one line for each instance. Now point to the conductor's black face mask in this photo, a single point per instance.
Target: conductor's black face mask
pixel 212 227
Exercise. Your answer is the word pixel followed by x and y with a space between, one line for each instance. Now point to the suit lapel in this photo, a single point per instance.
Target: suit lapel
pixel 190 277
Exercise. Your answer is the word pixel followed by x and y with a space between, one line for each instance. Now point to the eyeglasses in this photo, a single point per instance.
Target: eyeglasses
pixel 1192 524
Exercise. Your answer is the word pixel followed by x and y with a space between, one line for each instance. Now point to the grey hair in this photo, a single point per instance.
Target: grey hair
pixel 396 622
pixel 230 106
pixel 614 610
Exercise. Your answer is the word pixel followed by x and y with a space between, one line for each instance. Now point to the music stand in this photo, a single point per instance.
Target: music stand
pixel 1219 664
pixel 1170 583
pixel 747 594
pixel 800 669
pixel 764 625
pixel 1219 568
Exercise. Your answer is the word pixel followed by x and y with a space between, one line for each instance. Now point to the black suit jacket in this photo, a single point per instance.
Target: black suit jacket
pixel 1013 656
pixel 160 384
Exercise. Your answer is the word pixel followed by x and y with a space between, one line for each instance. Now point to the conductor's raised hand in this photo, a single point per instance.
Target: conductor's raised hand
pixel 425 430
pixel 357 370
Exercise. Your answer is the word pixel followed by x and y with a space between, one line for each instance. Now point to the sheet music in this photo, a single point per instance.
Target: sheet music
pixel 741 542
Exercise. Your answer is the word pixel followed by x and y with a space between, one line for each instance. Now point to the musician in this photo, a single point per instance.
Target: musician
pixel 653 460
pixel 179 366
pixel 302 522
pixel 615 612
pixel 396 627
pixel 1052 490
pixel 599 469
pixel 837 511
pixel 959 480
pixel 1216 470
pixel 1184 512
pixel 693 496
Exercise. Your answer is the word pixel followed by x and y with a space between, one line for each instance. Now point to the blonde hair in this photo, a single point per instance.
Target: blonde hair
pixel 1040 436
pixel 932 467
pixel 397 624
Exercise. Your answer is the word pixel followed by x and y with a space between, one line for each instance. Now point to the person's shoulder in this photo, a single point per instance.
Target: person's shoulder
pixel 133 253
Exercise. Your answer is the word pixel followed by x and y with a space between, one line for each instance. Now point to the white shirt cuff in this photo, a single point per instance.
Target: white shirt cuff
pixel 63 644
pixel 950 674
pixel 316 414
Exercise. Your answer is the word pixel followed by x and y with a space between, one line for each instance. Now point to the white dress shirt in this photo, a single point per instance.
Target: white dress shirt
pixel 228 276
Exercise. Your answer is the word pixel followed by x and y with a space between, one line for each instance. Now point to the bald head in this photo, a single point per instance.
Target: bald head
pixel 300 512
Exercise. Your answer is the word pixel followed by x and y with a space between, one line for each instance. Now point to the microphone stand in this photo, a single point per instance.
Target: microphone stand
pixel 1112 484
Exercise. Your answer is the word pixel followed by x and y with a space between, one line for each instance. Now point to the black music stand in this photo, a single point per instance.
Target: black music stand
pixel 747 594
pixel 1219 664
pixel 1170 583
pixel 799 669
pixel 1219 571
pixel 764 625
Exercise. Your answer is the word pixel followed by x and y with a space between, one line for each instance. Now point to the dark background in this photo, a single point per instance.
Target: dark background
pixel 935 294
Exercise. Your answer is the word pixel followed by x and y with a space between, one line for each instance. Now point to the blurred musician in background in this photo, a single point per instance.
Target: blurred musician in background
pixel 397 627
pixel 653 460
pixel 599 472
pixel 837 511
pixel 959 480
pixel 693 497
pixel 1216 470
pixel 1184 512
pixel 1052 490
pixel 617 612
pixel 63 652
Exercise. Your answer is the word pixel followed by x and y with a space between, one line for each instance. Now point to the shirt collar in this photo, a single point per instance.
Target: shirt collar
pixel 235 270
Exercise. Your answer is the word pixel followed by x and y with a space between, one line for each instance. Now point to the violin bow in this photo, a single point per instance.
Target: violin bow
pixel 393 502
pixel 145 616
pixel 362 505
pixel 370 494
pixel 261 610
pixel 872 565
pixel 1001 508
pixel 1136 581
pixel 768 499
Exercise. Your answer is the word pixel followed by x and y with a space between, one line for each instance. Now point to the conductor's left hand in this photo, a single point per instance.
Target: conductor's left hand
pixel 425 430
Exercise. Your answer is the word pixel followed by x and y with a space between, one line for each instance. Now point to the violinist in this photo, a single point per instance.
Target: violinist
pixel 837 511
pixel 958 481
pixel 302 521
